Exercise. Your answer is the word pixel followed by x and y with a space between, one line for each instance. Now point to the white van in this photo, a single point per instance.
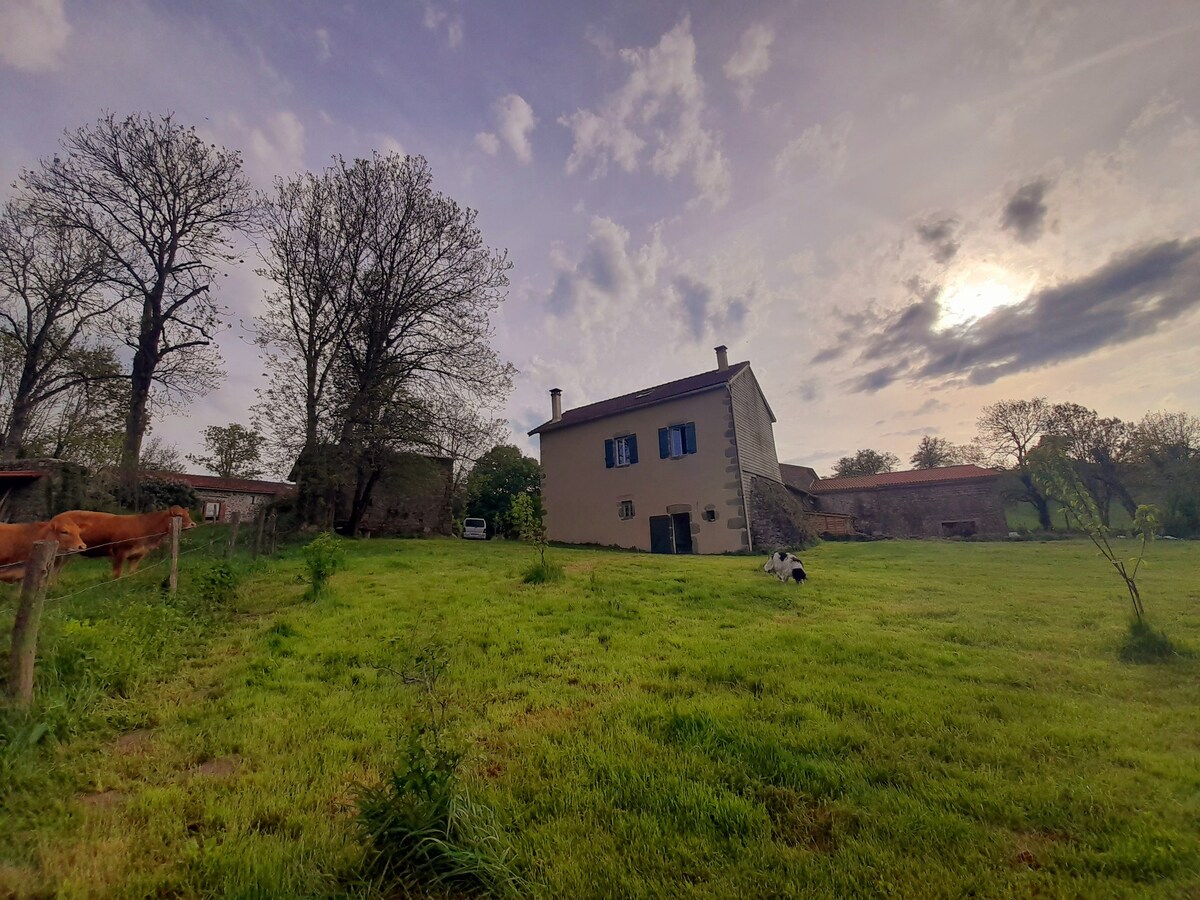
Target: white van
pixel 475 529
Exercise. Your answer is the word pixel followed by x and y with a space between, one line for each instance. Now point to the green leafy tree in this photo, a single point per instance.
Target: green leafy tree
pixel 1009 430
pixel 935 452
pixel 865 462
pixel 500 476
pixel 233 451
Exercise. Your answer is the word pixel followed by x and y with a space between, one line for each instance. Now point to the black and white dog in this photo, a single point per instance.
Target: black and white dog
pixel 786 566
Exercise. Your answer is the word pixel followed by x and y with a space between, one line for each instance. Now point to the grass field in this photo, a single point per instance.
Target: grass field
pixel 923 719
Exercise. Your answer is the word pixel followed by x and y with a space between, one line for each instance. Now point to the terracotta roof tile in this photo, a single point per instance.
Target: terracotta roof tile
pixel 236 485
pixel 940 475
pixel 646 397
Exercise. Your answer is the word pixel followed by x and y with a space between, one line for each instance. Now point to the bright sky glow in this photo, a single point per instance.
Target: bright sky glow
pixel 974 295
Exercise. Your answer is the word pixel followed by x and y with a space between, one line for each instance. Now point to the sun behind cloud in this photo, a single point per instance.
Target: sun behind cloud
pixel 978 290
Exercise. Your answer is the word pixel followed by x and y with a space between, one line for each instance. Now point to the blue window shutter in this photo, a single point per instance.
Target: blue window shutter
pixel 664 444
pixel 608 454
pixel 632 440
pixel 689 437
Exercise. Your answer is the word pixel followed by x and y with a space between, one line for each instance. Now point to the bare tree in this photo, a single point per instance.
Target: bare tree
pixel 50 294
pixel 383 311
pixel 163 204
pixel 1008 431
pixel 935 452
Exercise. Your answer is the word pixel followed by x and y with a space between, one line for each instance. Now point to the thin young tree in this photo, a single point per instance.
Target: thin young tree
pixel 164 204
pixel 51 294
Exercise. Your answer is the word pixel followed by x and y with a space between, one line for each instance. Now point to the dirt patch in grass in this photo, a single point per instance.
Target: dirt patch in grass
pixel 224 767
pixel 135 743
pixel 798 822
pixel 103 799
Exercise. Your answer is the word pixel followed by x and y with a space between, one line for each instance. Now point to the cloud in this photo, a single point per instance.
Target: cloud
pixel 705 310
pixel 324 53
pixel 751 60
pixel 33 34
pixel 275 147
pixel 515 121
pixel 823 144
pixel 661 107
pixel 1132 296
pixel 605 272
pixel 435 16
pixel 1025 212
pixel 939 236
pixel 488 143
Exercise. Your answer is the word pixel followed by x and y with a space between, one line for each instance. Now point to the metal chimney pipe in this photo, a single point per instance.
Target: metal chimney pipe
pixel 722 357
pixel 555 404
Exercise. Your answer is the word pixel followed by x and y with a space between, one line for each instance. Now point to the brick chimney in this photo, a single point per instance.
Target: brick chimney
pixel 555 405
pixel 722 357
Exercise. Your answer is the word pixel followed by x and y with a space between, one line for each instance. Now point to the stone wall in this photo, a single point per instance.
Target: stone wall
pixel 244 504
pixel 934 510
pixel 60 487
pixel 777 516
pixel 412 499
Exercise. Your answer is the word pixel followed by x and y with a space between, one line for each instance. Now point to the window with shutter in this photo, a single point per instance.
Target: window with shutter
pixel 620 452
pixel 677 440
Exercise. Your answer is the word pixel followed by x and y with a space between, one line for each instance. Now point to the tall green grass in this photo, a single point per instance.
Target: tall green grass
pixel 920 719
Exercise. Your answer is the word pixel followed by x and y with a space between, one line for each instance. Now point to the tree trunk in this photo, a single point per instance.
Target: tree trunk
pixel 136 420
pixel 363 489
pixel 13 438
pixel 1038 501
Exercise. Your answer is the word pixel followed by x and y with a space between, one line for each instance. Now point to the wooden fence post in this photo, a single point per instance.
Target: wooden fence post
pixel 235 519
pixel 173 578
pixel 271 536
pixel 261 522
pixel 29 617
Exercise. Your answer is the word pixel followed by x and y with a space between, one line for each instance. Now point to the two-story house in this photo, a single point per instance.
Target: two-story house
pixel 685 467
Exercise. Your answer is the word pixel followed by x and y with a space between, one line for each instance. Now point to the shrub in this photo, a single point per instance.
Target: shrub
pixel 324 556
pixel 543 573
pixel 159 492
pixel 218 583
pixel 422 829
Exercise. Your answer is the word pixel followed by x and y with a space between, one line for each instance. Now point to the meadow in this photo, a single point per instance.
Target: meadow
pixel 932 719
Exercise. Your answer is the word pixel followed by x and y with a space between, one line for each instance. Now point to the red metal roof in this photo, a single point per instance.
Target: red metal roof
pixel 22 473
pixel 941 475
pixel 646 397
pixel 234 485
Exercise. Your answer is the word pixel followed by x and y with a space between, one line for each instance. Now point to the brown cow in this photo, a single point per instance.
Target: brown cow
pixel 125 538
pixel 16 543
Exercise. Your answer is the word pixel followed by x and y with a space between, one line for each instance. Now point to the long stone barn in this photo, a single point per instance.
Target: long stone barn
pixel 950 501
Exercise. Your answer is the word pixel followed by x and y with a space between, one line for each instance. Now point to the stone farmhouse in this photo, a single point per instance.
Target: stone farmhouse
pixel 951 501
pixel 684 467
pixel 220 497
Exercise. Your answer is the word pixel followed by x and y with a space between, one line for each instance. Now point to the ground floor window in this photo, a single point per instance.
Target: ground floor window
pixel 625 509
pixel 212 511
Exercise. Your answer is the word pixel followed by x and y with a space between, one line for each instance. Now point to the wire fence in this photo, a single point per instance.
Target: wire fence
pixel 42 564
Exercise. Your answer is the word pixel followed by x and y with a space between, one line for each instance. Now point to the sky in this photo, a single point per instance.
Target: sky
pixel 897 212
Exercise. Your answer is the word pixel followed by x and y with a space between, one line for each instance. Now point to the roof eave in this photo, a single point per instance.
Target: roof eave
pixel 558 426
